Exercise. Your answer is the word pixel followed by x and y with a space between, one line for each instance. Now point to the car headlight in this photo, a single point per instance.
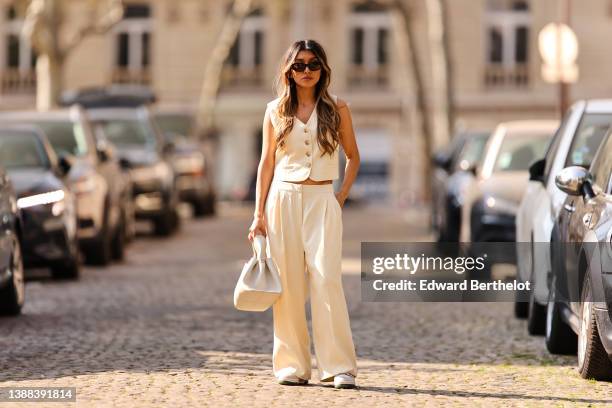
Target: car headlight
pixel 83 185
pixel 160 171
pixel 193 163
pixel 500 205
pixel 41 199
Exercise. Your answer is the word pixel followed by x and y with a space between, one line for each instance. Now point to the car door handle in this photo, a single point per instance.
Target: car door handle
pixel 569 208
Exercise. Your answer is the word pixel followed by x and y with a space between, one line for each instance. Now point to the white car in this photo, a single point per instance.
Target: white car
pixel 574 144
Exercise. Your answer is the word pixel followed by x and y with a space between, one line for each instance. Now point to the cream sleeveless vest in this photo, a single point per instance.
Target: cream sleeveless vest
pixel 301 157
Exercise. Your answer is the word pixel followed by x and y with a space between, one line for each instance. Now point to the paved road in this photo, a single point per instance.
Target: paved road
pixel 160 330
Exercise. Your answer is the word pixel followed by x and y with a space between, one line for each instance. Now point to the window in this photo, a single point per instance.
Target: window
pixel 368 34
pixel 507 30
pixel 602 166
pixel 133 45
pixel 551 153
pixel 19 57
pixel 20 149
pixel 518 152
pixel 587 139
pixel 244 63
pixel 66 137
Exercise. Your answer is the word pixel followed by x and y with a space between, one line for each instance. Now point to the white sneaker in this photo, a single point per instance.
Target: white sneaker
pixel 292 379
pixel 344 380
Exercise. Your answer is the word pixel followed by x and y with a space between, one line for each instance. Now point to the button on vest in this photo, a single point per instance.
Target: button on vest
pixel 301 158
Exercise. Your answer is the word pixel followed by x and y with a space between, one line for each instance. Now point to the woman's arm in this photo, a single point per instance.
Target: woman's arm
pixel 349 144
pixel 265 170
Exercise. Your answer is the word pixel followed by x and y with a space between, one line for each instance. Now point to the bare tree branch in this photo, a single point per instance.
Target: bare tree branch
pixel 214 66
pixel 36 27
pixel 112 14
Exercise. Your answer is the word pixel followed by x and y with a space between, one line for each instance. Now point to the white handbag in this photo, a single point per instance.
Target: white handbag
pixel 259 284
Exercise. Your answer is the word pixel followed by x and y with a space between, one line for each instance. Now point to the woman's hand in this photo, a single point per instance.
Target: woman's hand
pixel 258 227
pixel 341 197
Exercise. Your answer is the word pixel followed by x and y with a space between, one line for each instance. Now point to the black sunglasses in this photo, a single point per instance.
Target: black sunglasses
pixel 301 66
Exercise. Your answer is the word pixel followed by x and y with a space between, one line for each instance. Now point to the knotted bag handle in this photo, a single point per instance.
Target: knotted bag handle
pixel 259 247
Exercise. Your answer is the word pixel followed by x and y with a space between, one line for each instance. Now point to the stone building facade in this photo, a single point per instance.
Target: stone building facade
pixel 165 44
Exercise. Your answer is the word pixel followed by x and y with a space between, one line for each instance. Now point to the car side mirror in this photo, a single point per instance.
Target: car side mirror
pixel 536 170
pixel 169 147
pixel 105 151
pixel 575 181
pixel 468 166
pixel 442 161
pixel 125 163
pixel 64 164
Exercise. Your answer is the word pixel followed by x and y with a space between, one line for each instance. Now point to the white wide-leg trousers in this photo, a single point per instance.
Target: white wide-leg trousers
pixel 304 229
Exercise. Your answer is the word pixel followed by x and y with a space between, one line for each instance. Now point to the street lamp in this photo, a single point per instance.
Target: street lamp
pixel 558 47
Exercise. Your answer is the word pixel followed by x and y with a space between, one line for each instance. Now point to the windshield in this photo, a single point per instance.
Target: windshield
pixel 587 139
pixel 518 152
pixel 177 123
pixel 21 150
pixel 128 132
pixel 65 137
pixel 473 150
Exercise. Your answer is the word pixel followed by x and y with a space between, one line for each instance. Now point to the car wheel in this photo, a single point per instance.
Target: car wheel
pixel 560 338
pixel 521 309
pixel 12 296
pixel 70 269
pixel 100 251
pixel 204 207
pixel 165 223
pixel 118 244
pixel 536 316
pixel 593 361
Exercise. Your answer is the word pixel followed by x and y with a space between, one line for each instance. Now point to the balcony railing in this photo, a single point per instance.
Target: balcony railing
pixel 16 81
pixel 499 76
pixel 132 77
pixel 236 76
pixel 360 76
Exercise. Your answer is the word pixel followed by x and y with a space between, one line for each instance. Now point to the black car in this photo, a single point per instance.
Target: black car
pixel 12 288
pixel 95 178
pixel 443 160
pixel 579 308
pixel 451 193
pixel 192 165
pixel 48 207
pixel 141 147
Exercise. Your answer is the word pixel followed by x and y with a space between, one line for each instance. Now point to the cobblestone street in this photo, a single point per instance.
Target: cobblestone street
pixel 160 330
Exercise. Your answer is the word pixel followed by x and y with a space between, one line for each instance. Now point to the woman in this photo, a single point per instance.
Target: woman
pixel 296 208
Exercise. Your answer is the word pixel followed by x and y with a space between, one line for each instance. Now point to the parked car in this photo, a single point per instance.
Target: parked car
pixel 142 148
pixel 442 161
pixel 126 188
pixel 192 165
pixel 492 199
pixel 48 208
pixel 451 195
pixel 95 178
pixel 574 144
pixel 12 287
pixel 579 307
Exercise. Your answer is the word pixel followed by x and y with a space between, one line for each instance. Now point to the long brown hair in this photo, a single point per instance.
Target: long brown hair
pixel 327 112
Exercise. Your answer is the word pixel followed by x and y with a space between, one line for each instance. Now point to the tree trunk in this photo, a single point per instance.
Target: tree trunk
pixel 214 66
pixel 407 27
pixel 43 24
pixel 450 77
pixel 439 68
pixel 49 83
